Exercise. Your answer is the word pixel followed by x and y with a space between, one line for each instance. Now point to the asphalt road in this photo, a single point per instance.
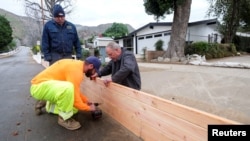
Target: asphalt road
pixel 222 91
pixel 18 121
pixel 217 90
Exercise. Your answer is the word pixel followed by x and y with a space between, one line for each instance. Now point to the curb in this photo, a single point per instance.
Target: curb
pixel 8 54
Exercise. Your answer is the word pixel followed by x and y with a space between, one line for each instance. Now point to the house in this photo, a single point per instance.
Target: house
pixel 149 34
pixel 100 43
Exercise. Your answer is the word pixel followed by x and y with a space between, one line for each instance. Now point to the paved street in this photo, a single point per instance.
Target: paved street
pixel 219 90
pixel 19 122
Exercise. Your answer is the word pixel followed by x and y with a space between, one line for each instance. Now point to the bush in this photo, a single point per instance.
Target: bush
pixel 144 50
pixel 159 45
pixel 211 50
pixel 36 49
pixel 12 45
pixel 199 48
pixel 81 41
pixel 242 43
pixel 208 56
pixel 9 47
pixel 96 52
pixel 5 32
pixel 85 54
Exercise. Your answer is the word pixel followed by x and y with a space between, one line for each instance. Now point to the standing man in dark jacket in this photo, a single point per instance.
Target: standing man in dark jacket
pixel 123 67
pixel 60 38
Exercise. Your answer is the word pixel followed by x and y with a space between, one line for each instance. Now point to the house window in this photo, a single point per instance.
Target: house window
pixel 157 35
pixel 166 34
pixel 150 36
pixel 140 38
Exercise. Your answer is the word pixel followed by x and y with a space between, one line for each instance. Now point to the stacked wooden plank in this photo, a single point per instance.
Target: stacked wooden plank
pixel 149 117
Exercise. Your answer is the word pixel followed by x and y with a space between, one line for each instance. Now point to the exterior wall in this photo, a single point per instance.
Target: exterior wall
pixel 149 43
pixel 120 42
pixel 201 32
pixel 134 46
pixel 147 37
pixel 101 41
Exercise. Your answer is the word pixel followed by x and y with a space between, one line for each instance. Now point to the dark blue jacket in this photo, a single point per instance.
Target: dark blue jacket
pixel 124 70
pixel 59 41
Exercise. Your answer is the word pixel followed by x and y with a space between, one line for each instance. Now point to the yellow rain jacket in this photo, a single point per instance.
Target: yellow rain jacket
pixel 66 70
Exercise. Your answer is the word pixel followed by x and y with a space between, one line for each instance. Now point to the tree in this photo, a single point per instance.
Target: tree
pixel 245 15
pixel 228 11
pixel 5 32
pixel 116 30
pixel 44 10
pixel 158 8
pixel 234 15
pixel 181 10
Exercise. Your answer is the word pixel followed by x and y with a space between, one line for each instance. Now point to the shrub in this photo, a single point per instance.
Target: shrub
pixel 159 45
pixel 36 49
pixel 197 48
pixel 144 50
pixel 5 32
pixel 211 50
pixel 96 52
pixel 85 54
pixel 208 56
pixel 12 45
pixel 81 41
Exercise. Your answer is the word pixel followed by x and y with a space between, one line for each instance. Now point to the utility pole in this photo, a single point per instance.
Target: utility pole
pixel 42 11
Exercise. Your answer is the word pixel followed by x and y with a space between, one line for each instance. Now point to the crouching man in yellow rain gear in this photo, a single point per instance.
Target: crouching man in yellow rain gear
pixel 59 85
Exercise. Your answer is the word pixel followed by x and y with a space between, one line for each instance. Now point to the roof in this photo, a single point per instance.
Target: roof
pixel 208 22
pixel 123 37
pixel 103 38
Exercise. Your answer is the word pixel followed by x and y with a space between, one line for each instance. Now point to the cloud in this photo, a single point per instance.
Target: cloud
pixel 97 12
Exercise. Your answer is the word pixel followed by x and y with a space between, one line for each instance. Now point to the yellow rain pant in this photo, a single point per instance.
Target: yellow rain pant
pixel 59 96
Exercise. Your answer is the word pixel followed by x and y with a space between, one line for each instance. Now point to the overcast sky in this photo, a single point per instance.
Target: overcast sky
pixel 96 12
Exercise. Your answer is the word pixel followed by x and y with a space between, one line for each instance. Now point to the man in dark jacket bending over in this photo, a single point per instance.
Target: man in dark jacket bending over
pixel 123 67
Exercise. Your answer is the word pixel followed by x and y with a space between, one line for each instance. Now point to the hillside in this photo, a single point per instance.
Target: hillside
pixel 25 29
pixel 28 30
pixel 86 32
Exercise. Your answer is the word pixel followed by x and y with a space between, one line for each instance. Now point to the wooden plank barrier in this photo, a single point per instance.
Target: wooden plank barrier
pixel 150 117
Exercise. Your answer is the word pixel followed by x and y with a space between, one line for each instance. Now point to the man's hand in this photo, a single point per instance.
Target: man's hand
pixel 92 77
pixel 107 81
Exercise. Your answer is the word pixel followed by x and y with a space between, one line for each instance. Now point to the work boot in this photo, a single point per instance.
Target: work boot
pixel 38 106
pixel 70 123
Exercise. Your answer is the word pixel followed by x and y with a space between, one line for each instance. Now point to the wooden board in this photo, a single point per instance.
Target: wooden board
pixel 151 117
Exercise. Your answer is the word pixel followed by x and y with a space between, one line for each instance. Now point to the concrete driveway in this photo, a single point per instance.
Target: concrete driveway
pixel 217 90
